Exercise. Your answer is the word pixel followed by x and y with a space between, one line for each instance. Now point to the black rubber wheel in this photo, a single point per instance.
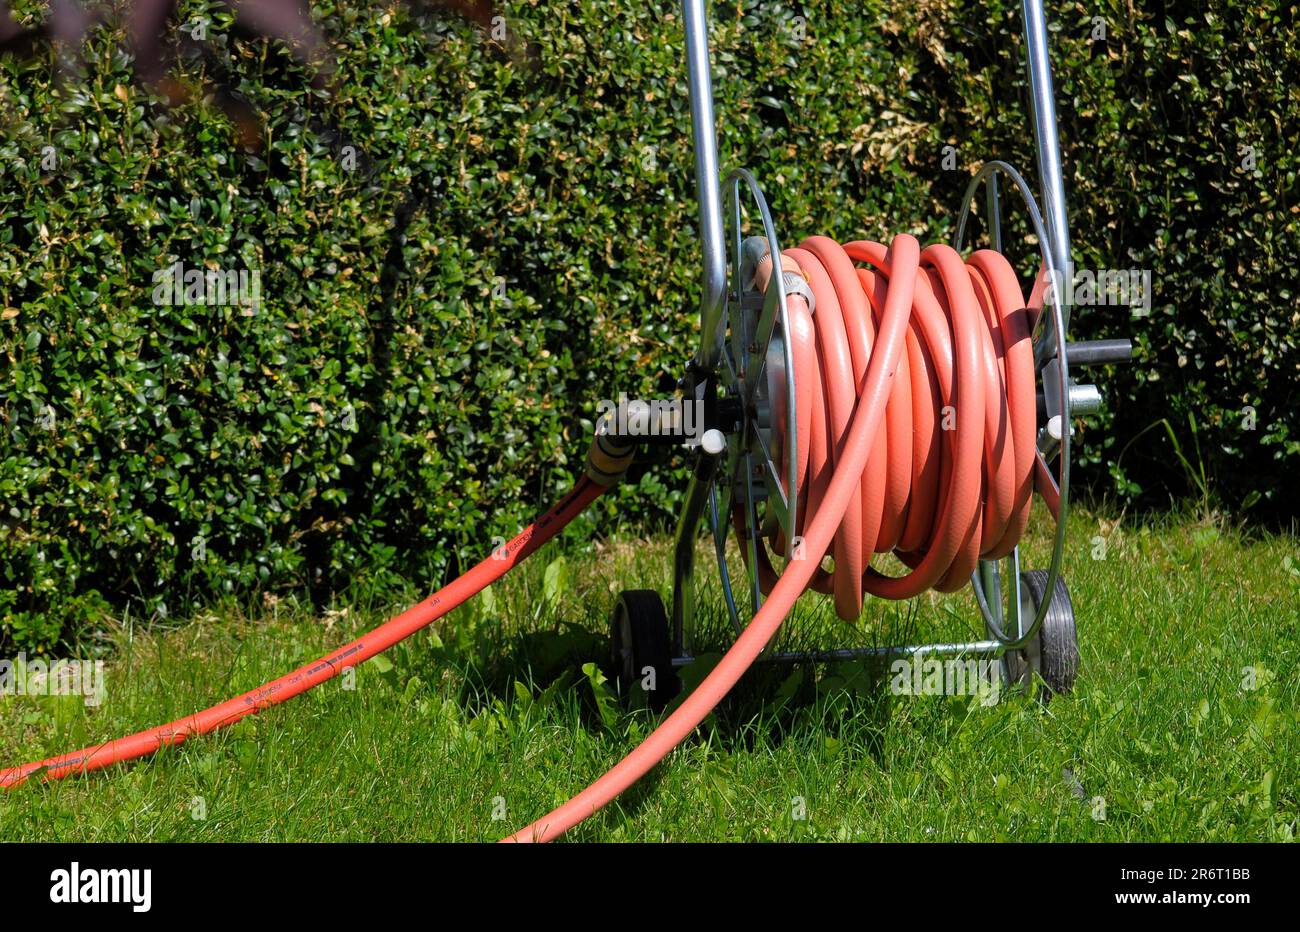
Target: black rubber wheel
pixel 1053 654
pixel 642 650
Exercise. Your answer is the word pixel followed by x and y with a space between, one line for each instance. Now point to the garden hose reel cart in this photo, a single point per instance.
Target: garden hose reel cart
pixel 743 470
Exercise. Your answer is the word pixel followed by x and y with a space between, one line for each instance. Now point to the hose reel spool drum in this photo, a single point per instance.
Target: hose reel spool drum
pixel 758 481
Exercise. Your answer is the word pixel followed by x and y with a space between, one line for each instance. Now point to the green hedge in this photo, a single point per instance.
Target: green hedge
pixel 518 240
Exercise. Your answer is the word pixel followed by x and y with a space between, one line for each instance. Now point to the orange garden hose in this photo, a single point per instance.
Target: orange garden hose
pixel 313 674
pixel 923 492
pixel 916 429
pixel 887 345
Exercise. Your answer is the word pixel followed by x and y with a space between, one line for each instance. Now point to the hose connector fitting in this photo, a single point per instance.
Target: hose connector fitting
pixel 610 455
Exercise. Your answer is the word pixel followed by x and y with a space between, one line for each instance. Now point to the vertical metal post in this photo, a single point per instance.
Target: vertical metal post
pixel 708 190
pixel 697 497
pixel 712 298
pixel 1043 109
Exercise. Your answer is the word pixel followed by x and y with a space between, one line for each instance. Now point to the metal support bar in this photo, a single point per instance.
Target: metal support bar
pixel 712 298
pixel 988 648
pixel 697 497
pixel 993 207
pixel 989 585
pixel 1099 352
pixel 703 128
pixel 1043 110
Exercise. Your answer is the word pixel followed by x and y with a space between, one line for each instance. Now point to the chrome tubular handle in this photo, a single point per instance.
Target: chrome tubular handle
pixel 1043 110
pixel 704 131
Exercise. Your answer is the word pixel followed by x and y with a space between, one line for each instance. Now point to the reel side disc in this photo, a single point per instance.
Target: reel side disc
pixel 756 488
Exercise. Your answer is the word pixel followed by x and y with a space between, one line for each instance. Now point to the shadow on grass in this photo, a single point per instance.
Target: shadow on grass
pixel 774 703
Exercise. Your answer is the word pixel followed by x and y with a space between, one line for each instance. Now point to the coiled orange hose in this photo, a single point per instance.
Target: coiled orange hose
pixel 949 479
pixel 890 346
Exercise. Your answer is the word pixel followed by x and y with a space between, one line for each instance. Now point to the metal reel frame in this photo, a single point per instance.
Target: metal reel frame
pixel 724 307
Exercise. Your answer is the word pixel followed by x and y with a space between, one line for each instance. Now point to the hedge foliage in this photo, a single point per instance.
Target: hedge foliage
pixel 517 240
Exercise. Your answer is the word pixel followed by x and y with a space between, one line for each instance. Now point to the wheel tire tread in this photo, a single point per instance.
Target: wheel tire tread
pixel 651 643
pixel 1058 637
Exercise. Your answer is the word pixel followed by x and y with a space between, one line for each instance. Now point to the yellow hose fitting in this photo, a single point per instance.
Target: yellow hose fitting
pixel 609 458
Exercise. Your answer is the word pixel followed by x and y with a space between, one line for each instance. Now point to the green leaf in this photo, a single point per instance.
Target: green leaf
pixel 555 580
pixel 606 701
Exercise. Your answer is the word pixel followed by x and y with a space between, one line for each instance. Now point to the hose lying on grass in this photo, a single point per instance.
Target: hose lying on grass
pixel 916 426
pixel 313 674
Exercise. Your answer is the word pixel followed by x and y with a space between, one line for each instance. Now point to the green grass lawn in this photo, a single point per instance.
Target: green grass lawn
pixel 475 728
